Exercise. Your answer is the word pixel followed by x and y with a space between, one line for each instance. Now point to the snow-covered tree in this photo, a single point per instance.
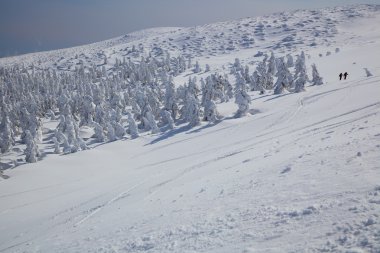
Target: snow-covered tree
pixel 31 152
pixel 300 65
pixel 87 111
pixel 67 148
pixel 284 78
pixel 80 143
pixel 119 129
pixel 6 135
pixel 192 87
pixel 170 99
pixel 290 61
pixel 197 68
pixel 245 74
pixel 210 112
pixel 272 69
pixel 100 115
pixel 111 136
pixel 265 80
pixel 152 122
pixel 300 82
pixel 193 111
pixel 237 64
pixel 132 126
pixel 168 119
pixel 70 131
pixel 317 79
pixel 99 132
pixel 254 82
pixel 242 99
pixel 228 89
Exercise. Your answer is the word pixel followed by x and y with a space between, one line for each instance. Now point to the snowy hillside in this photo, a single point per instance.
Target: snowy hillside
pixel 296 30
pixel 257 153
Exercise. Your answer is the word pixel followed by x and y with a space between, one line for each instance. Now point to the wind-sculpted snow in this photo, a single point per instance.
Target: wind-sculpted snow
pixel 236 136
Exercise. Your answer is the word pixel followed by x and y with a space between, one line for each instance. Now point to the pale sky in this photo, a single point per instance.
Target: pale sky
pixel 37 25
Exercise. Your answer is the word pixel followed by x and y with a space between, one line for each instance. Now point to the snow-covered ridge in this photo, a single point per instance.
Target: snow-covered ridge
pixel 285 31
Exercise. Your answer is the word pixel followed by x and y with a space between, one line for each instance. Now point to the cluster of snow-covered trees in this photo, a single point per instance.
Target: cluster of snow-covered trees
pixel 127 99
pixel 278 74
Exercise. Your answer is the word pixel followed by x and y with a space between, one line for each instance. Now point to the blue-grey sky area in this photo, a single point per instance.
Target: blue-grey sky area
pixel 37 25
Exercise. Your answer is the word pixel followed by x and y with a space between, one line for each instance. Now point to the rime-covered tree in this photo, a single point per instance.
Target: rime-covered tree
pixel 87 111
pixel 119 129
pixel 317 79
pixel 245 74
pixel 197 68
pixel 193 111
pixel 300 66
pixel 242 99
pixel 289 61
pixel 272 69
pixel 265 79
pixel 168 118
pixel 255 84
pixel 237 65
pixel 99 132
pixel 132 126
pixel 300 81
pixel 70 131
pixel 227 88
pixel 192 87
pixel 170 98
pixel 111 136
pixel 210 112
pixel 100 114
pixel 31 152
pixel 6 135
pixel 67 148
pixel 152 122
pixel 284 78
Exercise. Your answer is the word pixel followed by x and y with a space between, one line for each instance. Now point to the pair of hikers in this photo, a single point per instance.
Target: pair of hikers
pixel 341 75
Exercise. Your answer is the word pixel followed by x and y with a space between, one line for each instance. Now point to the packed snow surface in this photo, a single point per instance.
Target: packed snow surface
pixel 300 173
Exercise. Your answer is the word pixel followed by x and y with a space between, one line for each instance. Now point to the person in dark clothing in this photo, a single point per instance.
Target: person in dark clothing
pixel 340 76
pixel 345 75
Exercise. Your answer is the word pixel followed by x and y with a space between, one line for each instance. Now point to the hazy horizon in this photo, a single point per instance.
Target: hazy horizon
pixel 38 25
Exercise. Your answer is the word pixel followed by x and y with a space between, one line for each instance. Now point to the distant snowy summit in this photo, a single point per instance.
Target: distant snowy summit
pixel 285 31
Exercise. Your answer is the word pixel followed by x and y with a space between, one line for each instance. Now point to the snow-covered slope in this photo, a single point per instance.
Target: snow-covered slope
pixel 301 174
pixel 303 29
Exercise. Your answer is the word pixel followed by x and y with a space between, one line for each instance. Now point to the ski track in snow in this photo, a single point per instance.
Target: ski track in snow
pixel 94 210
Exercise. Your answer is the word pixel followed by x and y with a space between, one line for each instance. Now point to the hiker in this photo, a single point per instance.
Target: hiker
pixel 345 75
pixel 340 76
